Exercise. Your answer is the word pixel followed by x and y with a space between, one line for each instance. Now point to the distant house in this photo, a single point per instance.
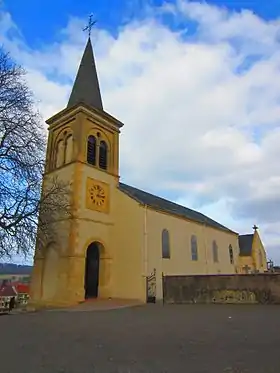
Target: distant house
pixel 18 290
pixel 23 293
pixel 6 293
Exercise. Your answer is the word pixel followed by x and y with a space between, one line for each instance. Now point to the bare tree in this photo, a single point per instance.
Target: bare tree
pixel 24 210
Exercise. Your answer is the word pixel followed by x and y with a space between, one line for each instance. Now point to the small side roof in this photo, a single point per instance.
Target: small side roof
pixel 8 291
pixel 245 244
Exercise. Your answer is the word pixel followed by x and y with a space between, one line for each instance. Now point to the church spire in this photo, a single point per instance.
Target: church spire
pixel 86 87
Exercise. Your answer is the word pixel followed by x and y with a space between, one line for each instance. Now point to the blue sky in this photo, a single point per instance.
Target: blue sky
pixel 40 21
pixel 197 85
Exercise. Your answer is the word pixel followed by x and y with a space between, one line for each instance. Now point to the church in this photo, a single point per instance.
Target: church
pixel 121 236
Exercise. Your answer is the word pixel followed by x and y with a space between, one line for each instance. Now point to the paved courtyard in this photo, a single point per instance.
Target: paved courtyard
pixel 152 338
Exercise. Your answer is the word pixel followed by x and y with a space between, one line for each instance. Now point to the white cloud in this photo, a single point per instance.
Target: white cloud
pixel 201 111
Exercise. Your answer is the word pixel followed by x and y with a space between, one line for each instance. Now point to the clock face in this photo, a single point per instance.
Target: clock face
pixel 97 195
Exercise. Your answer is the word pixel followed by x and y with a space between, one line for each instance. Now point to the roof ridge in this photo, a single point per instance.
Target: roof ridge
pixel 170 206
pixel 165 199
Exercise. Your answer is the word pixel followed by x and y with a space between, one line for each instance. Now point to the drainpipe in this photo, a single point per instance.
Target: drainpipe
pixel 145 242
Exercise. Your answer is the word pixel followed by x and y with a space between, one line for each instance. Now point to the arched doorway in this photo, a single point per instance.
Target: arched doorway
pixel 92 271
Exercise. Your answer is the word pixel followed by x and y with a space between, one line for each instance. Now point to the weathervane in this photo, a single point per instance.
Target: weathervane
pixel 91 23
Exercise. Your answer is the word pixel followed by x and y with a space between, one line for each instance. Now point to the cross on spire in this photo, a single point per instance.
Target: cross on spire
pixel 255 227
pixel 90 24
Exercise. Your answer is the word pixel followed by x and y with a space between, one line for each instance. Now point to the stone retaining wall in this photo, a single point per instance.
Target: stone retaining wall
pixel 246 289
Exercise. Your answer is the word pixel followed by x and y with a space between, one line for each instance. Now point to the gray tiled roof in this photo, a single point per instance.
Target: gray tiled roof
pixel 86 86
pixel 245 244
pixel 170 207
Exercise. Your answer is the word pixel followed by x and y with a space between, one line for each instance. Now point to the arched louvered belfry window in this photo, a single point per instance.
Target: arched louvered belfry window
pixel 194 248
pixel 68 149
pixel 103 155
pixel 59 161
pixel 165 244
pixel 91 150
pixel 215 251
pixel 231 258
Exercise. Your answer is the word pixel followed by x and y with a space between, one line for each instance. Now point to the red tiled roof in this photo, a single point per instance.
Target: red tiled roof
pixel 8 291
pixel 22 288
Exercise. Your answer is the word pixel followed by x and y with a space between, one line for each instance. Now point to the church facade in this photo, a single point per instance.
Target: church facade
pixel 119 235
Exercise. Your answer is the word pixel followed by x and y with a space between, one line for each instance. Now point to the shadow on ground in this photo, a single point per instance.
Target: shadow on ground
pixel 150 338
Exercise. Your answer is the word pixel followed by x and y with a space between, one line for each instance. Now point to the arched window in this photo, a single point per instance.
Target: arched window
pixel 215 251
pixel 103 155
pixel 59 154
pixel 68 149
pixel 91 150
pixel 165 244
pixel 231 258
pixel 194 248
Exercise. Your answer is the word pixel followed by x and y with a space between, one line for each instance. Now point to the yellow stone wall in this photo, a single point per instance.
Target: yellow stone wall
pixel 246 261
pixel 50 270
pixel 58 275
pixel 118 232
pixel 180 262
pixel 260 261
pixel 129 275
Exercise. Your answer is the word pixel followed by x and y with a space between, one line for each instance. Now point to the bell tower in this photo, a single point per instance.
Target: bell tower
pixel 83 150
pixel 84 115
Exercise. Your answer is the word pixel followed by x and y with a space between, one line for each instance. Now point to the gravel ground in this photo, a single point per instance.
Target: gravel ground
pixel 152 338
